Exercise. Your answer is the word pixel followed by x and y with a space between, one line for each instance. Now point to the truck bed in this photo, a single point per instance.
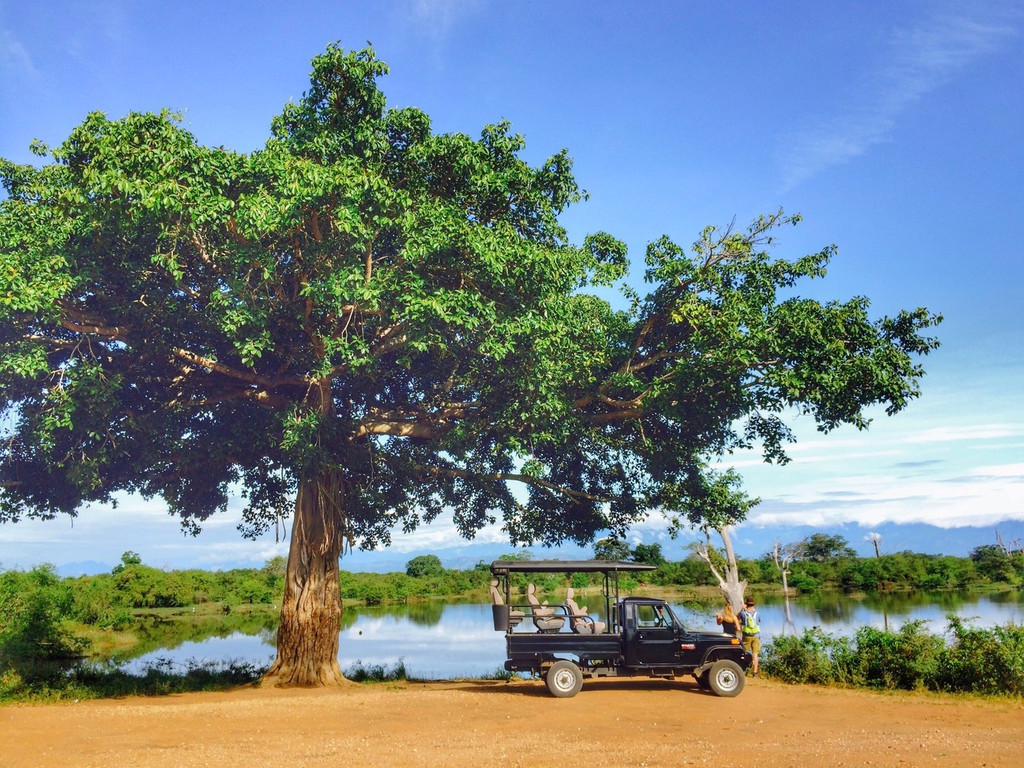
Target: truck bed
pixel 526 647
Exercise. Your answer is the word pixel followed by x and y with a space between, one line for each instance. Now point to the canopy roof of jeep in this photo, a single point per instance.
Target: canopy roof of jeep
pixel 504 567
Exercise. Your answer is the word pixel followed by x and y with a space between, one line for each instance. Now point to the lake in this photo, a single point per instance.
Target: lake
pixel 444 641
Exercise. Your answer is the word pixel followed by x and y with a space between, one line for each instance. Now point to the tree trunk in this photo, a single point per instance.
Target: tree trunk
pixel 730 583
pixel 307 639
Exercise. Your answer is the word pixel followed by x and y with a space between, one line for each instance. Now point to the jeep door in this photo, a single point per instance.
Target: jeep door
pixel 655 640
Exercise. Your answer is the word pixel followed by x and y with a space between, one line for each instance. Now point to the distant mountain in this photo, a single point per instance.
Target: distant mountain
pixel 751 541
pixel 915 537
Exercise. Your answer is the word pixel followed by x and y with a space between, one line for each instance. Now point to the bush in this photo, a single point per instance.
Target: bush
pixel 906 660
pixel 376 673
pixel 989 661
pixel 158 678
pixel 814 657
pixel 982 660
pixel 35 607
pixel 580 581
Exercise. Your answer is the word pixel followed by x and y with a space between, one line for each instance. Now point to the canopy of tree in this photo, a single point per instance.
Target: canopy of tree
pixel 381 323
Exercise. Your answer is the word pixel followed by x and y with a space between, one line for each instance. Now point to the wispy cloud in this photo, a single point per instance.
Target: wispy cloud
pixel 439 16
pixel 867 445
pixel 919 60
pixel 15 60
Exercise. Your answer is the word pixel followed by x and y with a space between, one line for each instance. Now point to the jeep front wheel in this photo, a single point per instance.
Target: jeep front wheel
pixel 564 679
pixel 726 678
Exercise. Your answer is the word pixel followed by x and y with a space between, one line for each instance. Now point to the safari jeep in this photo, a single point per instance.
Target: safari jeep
pixel 564 643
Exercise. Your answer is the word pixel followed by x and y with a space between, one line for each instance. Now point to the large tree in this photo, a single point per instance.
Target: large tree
pixel 373 323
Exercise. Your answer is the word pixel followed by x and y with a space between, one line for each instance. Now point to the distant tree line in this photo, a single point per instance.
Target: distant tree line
pixel 827 562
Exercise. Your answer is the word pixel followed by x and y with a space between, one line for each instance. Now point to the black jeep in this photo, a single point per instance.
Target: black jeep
pixel 638 636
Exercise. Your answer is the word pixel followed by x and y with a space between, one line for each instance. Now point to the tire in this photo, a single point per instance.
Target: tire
pixel 726 678
pixel 564 679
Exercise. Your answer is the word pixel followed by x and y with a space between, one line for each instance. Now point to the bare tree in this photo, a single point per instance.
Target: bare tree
pixel 1010 548
pixel 876 539
pixel 783 556
pixel 725 570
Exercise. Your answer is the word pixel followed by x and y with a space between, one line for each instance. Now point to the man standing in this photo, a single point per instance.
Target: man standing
pixel 750 624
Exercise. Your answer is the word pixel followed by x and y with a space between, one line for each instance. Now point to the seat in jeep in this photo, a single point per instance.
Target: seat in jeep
pixel 544 617
pixel 579 621
pixel 514 616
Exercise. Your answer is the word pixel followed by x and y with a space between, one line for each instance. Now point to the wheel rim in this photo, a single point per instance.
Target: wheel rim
pixel 565 680
pixel 727 679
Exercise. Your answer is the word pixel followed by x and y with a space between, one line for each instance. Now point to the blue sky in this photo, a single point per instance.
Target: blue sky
pixel 895 129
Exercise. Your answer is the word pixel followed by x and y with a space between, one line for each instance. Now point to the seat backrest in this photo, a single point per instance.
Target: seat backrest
pixel 496 597
pixel 574 609
pixel 531 594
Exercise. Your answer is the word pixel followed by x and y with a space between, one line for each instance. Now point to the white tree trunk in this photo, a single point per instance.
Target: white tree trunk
pixel 733 588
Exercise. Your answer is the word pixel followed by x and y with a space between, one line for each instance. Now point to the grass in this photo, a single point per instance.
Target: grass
pixel 377 673
pixel 49 683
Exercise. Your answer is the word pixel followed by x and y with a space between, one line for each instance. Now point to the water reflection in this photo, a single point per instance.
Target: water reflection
pixel 841 614
pixel 438 640
pixel 461 642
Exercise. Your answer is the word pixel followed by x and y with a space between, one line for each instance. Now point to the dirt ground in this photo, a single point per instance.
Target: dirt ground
pixel 484 723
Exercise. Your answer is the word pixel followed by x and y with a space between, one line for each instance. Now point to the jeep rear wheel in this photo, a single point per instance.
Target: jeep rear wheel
pixel 564 679
pixel 726 678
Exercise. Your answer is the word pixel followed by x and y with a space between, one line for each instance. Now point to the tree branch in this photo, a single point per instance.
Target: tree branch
pixel 237 374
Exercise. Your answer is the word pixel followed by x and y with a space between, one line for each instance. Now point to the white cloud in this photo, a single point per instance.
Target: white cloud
pixel 982 496
pixel 919 60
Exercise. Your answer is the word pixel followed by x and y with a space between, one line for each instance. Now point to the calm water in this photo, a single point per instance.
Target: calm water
pixel 441 641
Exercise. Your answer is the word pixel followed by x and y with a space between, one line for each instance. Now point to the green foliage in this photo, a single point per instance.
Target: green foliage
pixel 902 570
pixel 821 547
pixel 128 558
pixel 648 553
pixel 996 564
pixel 813 657
pixel 35 607
pixel 906 659
pixel 983 660
pixel 366 299
pixel 612 549
pixel 377 673
pixel 158 678
pixel 974 660
pixel 424 566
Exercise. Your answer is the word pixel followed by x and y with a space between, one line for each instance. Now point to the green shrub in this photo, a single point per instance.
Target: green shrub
pixel 158 678
pixel 813 657
pixel 376 673
pixel 35 607
pixel 988 661
pixel 983 660
pixel 906 660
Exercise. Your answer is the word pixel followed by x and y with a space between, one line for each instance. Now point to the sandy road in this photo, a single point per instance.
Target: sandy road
pixel 483 723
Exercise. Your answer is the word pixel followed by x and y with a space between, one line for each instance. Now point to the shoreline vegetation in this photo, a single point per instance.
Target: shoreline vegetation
pixel 49 625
